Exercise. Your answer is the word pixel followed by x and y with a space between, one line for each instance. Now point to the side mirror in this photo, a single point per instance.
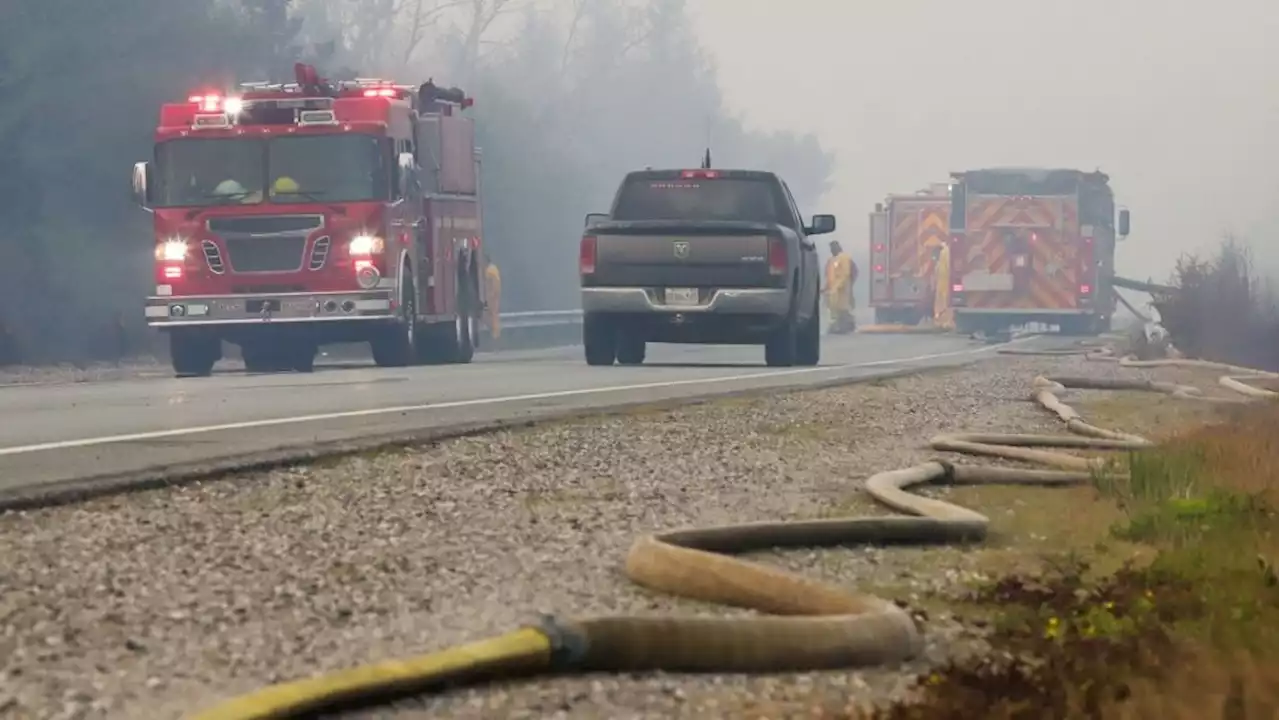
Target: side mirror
pixel 141 174
pixel 821 225
pixel 595 218
pixel 1122 228
pixel 406 174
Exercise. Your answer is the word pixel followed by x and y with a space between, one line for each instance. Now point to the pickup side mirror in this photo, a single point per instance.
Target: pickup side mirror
pixel 1122 229
pixel 821 225
pixel 595 218
pixel 141 191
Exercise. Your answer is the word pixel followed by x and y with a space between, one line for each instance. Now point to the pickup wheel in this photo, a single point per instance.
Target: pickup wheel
pixel 599 340
pixel 780 348
pixel 809 341
pixel 193 354
pixel 396 345
pixel 631 349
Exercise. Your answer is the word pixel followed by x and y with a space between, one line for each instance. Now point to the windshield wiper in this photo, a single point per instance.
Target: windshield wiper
pixel 229 197
pixel 306 194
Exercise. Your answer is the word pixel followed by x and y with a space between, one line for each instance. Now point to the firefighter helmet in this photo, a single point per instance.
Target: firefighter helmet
pixel 284 185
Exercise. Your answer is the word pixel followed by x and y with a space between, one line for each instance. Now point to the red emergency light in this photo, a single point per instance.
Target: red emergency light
pixel 210 102
pixel 879 268
pixel 879 247
pixel 386 92
pixel 708 174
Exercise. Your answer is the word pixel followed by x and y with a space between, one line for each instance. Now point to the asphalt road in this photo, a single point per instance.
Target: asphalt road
pixel 54 434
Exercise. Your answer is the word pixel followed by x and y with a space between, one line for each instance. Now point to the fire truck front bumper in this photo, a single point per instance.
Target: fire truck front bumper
pixel 257 309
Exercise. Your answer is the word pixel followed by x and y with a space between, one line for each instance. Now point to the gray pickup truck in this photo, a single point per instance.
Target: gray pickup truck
pixel 701 256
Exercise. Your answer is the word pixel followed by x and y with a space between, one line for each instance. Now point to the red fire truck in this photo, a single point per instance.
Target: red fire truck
pixel 291 215
pixel 1034 245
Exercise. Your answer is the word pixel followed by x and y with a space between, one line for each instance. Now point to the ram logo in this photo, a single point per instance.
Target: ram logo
pixel 681 249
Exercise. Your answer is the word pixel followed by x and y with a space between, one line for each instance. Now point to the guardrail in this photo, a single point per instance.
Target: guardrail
pixel 540 318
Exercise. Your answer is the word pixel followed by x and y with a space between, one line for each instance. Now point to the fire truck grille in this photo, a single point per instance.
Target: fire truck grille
pixel 281 253
pixel 319 253
pixel 213 257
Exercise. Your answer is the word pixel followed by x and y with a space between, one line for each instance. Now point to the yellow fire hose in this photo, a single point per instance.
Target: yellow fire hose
pixel 810 625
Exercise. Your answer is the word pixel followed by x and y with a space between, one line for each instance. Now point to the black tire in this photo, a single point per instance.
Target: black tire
pixel 599 340
pixel 809 340
pixel 303 358
pixel 885 316
pixel 630 349
pixel 396 345
pixel 780 348
pixel 465 338
pixel 193 354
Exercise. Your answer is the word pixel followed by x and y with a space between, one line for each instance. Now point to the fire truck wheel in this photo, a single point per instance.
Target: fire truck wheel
pixel 303 358
pixel 809 341
pixel 193 354
pixel 464 338
pixel 396 345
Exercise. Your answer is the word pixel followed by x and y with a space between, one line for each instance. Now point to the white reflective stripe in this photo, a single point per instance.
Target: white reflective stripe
pixel 386 282
pixel 153 311
pixel 373 305
pixel 164 290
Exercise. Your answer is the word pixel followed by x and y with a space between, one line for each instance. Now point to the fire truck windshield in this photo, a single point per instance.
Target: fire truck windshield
pixel 1022 182
pixel 293 169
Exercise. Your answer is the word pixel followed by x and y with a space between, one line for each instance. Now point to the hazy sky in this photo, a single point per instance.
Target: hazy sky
pixel 1176 101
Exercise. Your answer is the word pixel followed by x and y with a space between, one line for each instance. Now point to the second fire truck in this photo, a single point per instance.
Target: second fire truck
pixel 907 234
pixel 291 215
pixel 1033 245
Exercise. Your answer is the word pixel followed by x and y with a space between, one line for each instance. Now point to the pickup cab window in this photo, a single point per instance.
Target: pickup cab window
pixel 701 199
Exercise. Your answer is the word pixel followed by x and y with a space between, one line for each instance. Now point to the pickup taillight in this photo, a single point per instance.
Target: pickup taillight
pixel 777 256
pixel 587 255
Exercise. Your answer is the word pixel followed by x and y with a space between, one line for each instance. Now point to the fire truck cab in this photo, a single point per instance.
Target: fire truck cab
pixel 287 216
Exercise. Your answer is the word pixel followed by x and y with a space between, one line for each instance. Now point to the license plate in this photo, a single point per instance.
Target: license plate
pixel 682 296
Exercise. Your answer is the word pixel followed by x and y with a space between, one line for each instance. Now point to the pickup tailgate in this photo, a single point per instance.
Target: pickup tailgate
pixel 663 253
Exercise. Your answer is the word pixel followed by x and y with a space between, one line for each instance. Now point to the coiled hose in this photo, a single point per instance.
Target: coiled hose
pixel 808 625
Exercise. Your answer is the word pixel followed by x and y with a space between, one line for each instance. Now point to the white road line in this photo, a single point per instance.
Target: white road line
pixel 475 402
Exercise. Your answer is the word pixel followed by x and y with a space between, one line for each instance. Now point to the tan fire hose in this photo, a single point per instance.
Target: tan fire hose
pixel 810 625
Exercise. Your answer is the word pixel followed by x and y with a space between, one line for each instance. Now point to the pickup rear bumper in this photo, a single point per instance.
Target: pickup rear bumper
pixel 260 309
pixel 719 301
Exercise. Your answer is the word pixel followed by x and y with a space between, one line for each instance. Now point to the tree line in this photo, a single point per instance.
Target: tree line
pixel 569 95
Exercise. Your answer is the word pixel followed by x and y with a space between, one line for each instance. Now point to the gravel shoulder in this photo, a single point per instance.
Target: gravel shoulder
pixel 152 604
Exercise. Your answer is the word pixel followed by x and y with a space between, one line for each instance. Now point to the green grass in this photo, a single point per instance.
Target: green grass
pixel 1190 634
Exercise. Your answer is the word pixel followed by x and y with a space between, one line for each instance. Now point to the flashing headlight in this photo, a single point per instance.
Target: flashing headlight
pixel 232 105
pixel 365 245
pixel 174 250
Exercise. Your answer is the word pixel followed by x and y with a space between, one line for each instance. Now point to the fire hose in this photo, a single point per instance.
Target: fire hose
pixel 808 625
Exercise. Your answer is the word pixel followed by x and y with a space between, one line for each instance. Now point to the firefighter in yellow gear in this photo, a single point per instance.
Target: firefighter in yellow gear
pixel 943 315
pixel 840 275
pixel 492 296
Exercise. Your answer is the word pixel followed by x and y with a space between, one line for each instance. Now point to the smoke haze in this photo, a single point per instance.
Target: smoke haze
pixel 1177 102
